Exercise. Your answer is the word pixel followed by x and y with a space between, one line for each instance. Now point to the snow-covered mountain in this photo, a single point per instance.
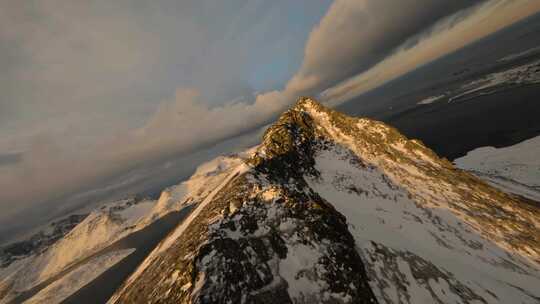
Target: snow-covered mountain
pixel 336 209
pixel 39 241
pixel 74 252
pixel 515 169
pixel 96 231
pixel 327 209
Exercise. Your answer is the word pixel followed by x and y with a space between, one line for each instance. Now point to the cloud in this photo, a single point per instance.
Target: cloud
pixel 48 171
pixel 62 53
pixel 355 35
pixel 188 122
pixel 9 159
pixel 86 85
pixel 78 69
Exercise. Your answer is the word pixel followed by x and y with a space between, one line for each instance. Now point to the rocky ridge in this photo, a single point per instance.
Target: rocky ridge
pixel 336 209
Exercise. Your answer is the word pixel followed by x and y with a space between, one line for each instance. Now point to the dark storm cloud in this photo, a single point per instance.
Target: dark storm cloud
pixel 447 35
pixel 355 35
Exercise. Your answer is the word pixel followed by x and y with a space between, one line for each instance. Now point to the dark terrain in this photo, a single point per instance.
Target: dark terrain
pixel 497 117
pixel 451 130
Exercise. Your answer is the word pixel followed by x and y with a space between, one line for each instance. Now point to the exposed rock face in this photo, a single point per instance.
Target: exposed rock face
pixel 335 209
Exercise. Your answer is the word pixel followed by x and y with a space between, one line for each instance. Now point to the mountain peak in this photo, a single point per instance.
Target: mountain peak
pixel 308 120
pixel 306 101
pixel 338 209
pixel 289 135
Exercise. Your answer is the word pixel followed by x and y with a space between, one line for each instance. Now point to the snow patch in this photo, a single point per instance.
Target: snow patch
pixel 79 277
pixel 514 169
pixel 430 100
pixel 415 234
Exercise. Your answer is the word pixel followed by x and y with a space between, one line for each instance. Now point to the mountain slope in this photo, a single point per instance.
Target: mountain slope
pixel 515 169
pixel 82 252
pixel 335 209
pixel 96 231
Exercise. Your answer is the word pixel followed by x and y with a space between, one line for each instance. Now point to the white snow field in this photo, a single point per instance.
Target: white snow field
pixel 79 277
pixel 514 169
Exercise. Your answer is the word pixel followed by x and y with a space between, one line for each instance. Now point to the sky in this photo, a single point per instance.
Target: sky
pixel 93 91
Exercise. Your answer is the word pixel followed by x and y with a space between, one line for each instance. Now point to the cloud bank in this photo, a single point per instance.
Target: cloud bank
pixel 355 35
pixel 85 84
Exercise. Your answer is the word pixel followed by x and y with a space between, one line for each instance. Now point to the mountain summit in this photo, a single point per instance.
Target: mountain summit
pixel 335 209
